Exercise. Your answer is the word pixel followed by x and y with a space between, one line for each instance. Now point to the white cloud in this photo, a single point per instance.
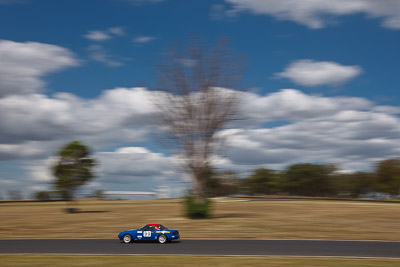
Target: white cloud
pixel 138 169
pixel 23 65
pixel 134 161
pixel 313 73
pixel 353 139
pixel 116 31
pixel 97 36
pixel 315 14
pixel 281 128
pixel 107 34
pixel 387 109
pixel 350 132
pixel 294 105
pixel 40 170
pixel 143 39
pixel 28 149
pixel 132 150
pixel 100 54
pixel 35 125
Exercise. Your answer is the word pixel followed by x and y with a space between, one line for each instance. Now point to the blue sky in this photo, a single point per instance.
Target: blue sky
pixel 321 82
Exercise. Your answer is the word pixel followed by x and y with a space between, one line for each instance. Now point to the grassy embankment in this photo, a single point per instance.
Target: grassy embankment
pixel 298 219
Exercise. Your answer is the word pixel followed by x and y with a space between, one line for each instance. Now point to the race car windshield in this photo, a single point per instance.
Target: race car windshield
pixel 162 227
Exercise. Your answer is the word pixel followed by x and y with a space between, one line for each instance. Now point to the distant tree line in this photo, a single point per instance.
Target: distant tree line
pixel 311 180
pixel 56 195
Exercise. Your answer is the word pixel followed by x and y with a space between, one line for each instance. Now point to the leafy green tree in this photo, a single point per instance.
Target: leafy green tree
pixel 73 169
pixel 354 184
pixel 387 178
pixel 221 183
pixel 309 180
pixel 42 195
pixel 262 181
pixel 99 193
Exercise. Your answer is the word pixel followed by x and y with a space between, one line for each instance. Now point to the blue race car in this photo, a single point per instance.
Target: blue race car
pixel 149 232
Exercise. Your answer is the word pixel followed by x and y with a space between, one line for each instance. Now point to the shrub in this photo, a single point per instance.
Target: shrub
pixel 42 195
pixel 197 208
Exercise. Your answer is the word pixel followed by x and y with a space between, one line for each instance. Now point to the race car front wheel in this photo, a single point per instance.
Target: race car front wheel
pixel 127 238
pixel 162 239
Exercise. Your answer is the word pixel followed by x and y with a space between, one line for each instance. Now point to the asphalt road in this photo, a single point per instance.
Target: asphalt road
pixel 204 247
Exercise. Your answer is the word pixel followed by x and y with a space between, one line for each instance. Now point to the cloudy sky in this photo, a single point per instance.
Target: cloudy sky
pixel 321 85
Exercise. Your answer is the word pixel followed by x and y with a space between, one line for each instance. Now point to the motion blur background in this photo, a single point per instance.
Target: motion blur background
pixel 320 89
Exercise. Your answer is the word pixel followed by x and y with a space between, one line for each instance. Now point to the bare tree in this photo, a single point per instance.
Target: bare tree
pixel 196 100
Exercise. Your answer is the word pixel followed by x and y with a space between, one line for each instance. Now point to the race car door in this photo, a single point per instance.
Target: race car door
pixel 149 232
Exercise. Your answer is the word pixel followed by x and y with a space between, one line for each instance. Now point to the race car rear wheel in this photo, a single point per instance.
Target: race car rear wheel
pixel 162 239
pixel 127 238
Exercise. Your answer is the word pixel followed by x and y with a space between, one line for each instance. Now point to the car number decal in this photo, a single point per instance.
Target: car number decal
pixel 146 233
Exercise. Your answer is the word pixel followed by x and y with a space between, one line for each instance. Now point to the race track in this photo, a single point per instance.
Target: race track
pixel 204 247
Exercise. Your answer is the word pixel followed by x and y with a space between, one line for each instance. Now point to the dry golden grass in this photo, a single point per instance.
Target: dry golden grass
pixel 297 219
pixel 70 261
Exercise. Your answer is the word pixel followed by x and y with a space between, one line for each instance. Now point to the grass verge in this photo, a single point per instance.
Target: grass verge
pixel 270 219
pixel 121 261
